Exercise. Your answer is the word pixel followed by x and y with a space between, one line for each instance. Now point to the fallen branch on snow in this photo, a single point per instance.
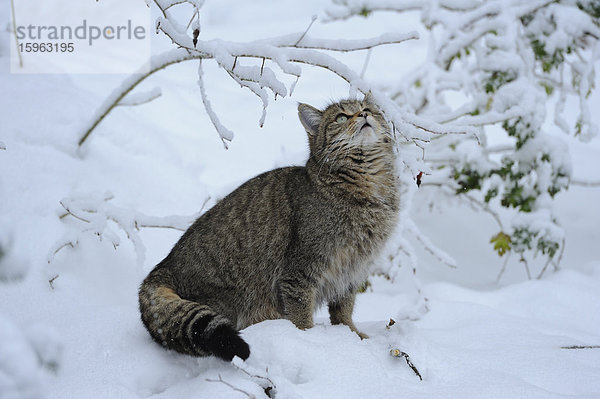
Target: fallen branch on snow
pixel 221 380
pixel 399 353
pixel 581 347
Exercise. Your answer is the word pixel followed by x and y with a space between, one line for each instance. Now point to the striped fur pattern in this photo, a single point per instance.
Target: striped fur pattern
pixel 283 243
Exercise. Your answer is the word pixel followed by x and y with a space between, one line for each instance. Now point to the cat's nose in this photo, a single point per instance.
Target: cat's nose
pixel 363 114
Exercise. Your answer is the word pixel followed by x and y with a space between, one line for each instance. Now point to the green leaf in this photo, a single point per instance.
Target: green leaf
pixel 501 243
pixel 548 87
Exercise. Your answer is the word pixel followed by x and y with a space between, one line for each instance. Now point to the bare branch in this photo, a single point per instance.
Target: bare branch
pixel 221 380
pixel 503 269
pixel 441 255
pixel 526 264
pixel 366 63
pixel 312 21
pixel 399 353
pixel 51 281
pixel 471 199
pixel 544 268
pixel 67 241
pixel 585 183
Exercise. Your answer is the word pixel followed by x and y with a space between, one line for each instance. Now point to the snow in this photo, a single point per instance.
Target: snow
pixel 70 328
pixel 20 374
pixel 142 97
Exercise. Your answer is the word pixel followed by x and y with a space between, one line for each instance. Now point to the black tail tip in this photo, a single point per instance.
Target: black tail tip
pixel 226 343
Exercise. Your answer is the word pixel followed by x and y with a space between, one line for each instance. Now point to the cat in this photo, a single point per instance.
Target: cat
pixel 284 242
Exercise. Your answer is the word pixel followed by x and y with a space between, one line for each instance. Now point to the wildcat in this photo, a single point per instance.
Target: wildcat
pixel 282 243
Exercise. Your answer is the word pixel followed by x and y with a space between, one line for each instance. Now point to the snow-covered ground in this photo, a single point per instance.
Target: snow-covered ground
pixel 79 336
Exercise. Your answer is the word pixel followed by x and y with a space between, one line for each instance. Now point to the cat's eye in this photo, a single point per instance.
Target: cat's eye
pixel 341 118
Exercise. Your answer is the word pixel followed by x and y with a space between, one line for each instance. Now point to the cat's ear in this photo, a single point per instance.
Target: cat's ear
pixel 369 98
pixel 310 118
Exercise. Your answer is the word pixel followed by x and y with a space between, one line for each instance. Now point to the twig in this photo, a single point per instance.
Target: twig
pixel 254 375
pixel 366 63
pixel 390 324
pixel 560 255
pixel 486 208
pixel 585 183
pixel 581 347
pixel 544 268
pixel 312 21
pixel 524 261
pixel 399 353
pixel 59 248
pixel 232 387
pixel 474 201
pixel 438 253
pixel 503 269
pixel 267 384
pixel 71 213
pixel 51 281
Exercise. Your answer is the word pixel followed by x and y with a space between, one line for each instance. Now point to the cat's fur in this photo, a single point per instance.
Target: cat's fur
pixel 283 243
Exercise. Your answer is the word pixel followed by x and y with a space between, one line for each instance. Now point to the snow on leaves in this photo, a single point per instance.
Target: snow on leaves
pixel 508 59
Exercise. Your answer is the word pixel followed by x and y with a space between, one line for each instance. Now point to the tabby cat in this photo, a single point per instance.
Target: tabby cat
pixel 284 242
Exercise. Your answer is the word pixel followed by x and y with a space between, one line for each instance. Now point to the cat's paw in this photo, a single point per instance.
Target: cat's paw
pixel 226 343
pixel 302 323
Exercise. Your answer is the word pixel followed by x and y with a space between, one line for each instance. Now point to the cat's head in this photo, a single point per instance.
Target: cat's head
pixel 352 124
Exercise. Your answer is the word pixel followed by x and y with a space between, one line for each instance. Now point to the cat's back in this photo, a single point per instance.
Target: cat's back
pixel 266 197
pixel 253 219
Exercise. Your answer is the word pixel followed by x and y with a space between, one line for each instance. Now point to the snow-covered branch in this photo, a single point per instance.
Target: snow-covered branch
pixel 506 60
pixel 134 99
pixel 283 52
pixel 94 213
pixel 157 63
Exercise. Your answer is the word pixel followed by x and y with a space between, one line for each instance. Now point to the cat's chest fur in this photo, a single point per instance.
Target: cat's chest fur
pixel 362 231
pixel 346 271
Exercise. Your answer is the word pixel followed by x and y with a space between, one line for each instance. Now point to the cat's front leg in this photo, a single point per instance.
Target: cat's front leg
pixel 297 302
pixel 340 312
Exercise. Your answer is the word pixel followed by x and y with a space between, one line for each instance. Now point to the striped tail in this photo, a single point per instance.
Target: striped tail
pixel 185 326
